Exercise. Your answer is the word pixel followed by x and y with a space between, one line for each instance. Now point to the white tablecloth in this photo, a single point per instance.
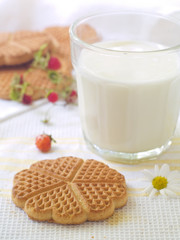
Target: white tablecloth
pixel 142 217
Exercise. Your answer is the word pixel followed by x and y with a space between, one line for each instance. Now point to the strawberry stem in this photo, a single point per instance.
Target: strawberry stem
pixel 52 139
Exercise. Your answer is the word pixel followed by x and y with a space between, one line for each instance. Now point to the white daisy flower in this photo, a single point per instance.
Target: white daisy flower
pixel 162 181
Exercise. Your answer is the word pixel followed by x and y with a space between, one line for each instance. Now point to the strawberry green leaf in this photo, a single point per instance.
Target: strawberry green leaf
pixel 17 90
pixel 54 76
pixel 40 60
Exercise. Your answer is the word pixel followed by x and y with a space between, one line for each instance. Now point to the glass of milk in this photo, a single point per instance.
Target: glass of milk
pixel 127 67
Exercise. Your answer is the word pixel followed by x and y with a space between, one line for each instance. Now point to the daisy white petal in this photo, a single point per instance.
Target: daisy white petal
pixel 162 192
pixel 170 193
pixel 148 174
pixel 173 175
pixel 164 171
pixel 156 170
pixel 174 181
pixel 153 192
pixel 174 187
pixel 148 189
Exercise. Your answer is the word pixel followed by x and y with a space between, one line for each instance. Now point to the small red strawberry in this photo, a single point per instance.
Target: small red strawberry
pixel 72 97
pixel 26 99
pixel 53 97
pixel 43 142
pixel 54 63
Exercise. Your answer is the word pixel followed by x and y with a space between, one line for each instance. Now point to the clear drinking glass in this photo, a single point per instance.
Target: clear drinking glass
pixel 127 68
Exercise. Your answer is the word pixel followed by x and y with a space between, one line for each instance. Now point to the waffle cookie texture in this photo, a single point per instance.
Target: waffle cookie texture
pixel 69 190
pixel 39 82
pixel 18 58
pixel 17 54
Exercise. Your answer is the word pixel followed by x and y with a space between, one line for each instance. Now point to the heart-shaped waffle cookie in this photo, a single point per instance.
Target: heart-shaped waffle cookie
pixel 69 190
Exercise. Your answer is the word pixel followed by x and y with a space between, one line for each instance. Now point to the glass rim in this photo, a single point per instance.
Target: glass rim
pixel 80 42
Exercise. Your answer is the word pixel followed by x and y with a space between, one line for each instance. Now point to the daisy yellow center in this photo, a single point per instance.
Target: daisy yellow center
pixel 159 182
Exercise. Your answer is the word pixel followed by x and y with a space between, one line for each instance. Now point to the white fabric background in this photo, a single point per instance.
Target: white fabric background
pixel 37 14
pixel 141 219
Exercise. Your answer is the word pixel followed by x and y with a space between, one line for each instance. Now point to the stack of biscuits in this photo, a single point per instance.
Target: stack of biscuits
pixel 17 51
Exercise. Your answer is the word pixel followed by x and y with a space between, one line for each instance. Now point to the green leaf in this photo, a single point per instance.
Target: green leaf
pixel 63 94
pixel 23 89
pixel 39 53
pixel 54 76
pixel 41 61
pixel 14 95
pixel 49 92
pixel 15 80
pixel 17 90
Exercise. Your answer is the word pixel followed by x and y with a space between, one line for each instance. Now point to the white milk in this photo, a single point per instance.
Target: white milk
pixel 129 102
